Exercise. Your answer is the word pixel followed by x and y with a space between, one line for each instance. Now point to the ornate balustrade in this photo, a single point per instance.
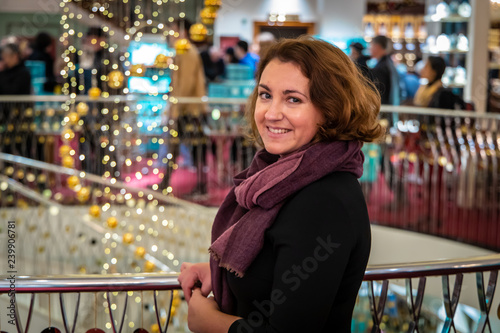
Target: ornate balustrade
pixel 127 299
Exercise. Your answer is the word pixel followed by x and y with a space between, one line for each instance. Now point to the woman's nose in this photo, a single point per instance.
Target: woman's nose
pixel 274 112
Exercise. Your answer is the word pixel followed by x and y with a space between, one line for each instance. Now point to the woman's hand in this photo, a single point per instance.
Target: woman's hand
pixel 200 312
pixel 191 274
pixel 204 315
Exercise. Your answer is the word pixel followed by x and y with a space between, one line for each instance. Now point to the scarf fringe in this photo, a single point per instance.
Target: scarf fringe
pixel 228 267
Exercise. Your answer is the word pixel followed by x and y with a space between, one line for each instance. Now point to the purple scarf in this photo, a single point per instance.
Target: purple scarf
pixel 260 191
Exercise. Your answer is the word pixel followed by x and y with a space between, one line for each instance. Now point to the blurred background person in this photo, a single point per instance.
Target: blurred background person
pixel 187 119
pixel 385 75
pixel 15 79
pixel 213 64
pixel 360 59
pixel 431 93
pixel 264 41
pixel 42 50
pixel 245 57
pixel 92 58
pixel 230 57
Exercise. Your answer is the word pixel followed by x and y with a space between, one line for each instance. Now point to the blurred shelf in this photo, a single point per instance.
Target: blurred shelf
pixel 453 85
pixel 449 19
pixel 446 52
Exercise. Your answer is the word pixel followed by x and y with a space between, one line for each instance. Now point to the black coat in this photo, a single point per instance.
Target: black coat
pixel 15 81
pixel 445 99
pixel 386 80
pixel 362 65
pixel 311 264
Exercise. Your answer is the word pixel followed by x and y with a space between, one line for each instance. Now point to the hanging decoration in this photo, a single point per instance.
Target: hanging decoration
pixel 112 222
pixel 115 79
pixel 95 211
pixel 198 32
pixel 182 46
pixel 82 109
pixel 162 61
pixel 208 15
pixel 138 70
pixel 213 4
pixel 94 93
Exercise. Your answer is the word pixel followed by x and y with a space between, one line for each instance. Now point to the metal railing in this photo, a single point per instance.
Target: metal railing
pixel 377 296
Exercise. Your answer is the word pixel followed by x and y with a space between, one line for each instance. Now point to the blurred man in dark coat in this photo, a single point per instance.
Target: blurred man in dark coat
pixel 15 79
pixel 386 77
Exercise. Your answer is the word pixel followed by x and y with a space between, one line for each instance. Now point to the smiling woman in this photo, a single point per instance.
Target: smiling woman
pixel 292 239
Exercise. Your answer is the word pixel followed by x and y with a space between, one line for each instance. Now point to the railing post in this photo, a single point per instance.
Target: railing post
pixel 415 305
pixel 451 303
pixel 63 313
pixel 157 311
pixel 485 298
pixel 108 298
pixel 19 325
pixel 377 310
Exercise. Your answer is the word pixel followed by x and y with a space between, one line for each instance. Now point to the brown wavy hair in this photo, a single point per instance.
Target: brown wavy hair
pixel 348 101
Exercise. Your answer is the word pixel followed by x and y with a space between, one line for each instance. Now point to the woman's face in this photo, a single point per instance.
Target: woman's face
pixel 427 72
pixel 284 113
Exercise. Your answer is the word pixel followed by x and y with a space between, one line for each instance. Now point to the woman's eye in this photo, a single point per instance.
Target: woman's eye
pixel 294 100
pixel 264 95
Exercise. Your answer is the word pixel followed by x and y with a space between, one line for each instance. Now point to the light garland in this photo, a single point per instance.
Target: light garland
pixel 120 130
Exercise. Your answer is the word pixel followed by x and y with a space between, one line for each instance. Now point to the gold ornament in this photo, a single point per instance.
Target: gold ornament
pixel 162 61
pixel 213 4
pixel 64 150
pixel 149 267
pixel 73 118
pixel 9 170
pixel 68 134
pixel 154 328
pixel 95 211
pixel 208 15
pixel 198 32
pixel 20 174
pixel 50 112
pixel 73 182
pixel 83 194
pixel 94 93
pixel 182 46
pixel 115 79
pixel 137 70
pixel 30 177
pixel 140 252
pixel 82 109
pixel 128 238
pixel 112 222
pixel 41 178
pixel 68 162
